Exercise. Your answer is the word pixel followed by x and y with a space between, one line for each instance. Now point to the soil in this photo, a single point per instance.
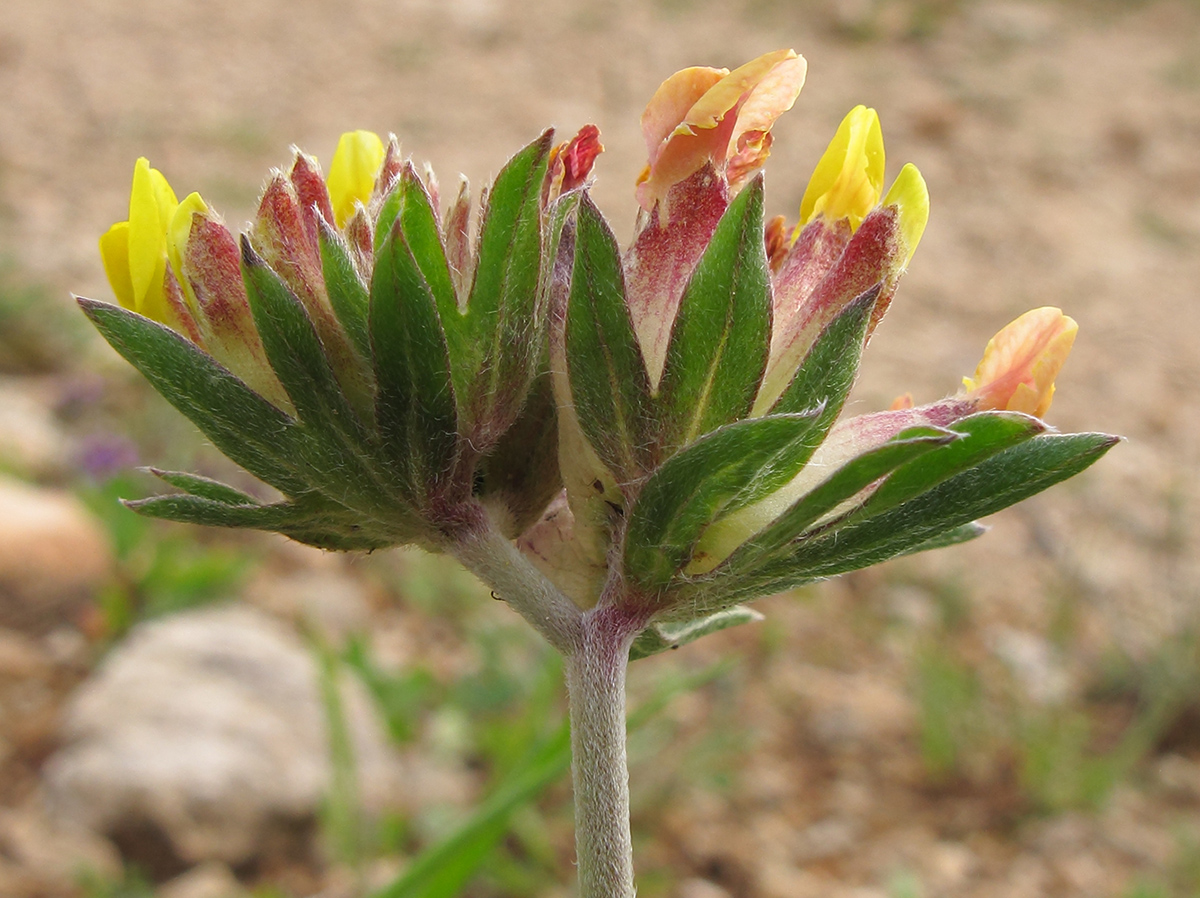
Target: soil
pixel 1061 145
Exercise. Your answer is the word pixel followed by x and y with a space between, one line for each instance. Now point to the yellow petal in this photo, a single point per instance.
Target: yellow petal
pixel 1020 363
pixel 151 205
pixel 114 251
pixel 848 180
pixel 178 231
pixel 910 194
pixel 352 172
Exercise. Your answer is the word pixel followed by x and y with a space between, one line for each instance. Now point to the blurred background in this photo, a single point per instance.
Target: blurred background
pixel 194 714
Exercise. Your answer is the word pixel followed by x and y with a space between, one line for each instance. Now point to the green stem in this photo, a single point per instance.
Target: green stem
pixel 599 769
pixel 491 556
pixel 595 646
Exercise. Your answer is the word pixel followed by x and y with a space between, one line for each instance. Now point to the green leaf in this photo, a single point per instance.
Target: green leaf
pixel 415 405
pixel 342 455
pixel 312 520
pixel 444 870
pixel 722 333
pixel 521 472
pixel 241 423
pixel 953 537
pixel 295 352
pixel 828 371
pixel 660 637
pixel 204 487
pixel 347 293
pixel 609 384
pixel 998 482
pixel 505 318
pixel 848 481
pixel 984 434
pixel 728 469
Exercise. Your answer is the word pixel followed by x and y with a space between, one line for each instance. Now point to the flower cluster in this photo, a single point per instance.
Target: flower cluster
pixel 659 426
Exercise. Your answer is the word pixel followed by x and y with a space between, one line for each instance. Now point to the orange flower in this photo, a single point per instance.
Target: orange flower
pixel 1020 363
pixel 702 114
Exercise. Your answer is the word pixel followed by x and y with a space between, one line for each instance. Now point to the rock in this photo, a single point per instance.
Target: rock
pixel 52 852
pixel 1035 664
pixel 21 657
pixel 32 444
pixel 208 880
pixel 701 888
pixel 827 838
pixel 848 710
pixel 333 603
pixel 207 731
pixel 53 556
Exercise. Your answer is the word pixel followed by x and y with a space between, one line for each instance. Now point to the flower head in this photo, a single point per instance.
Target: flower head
pixel 704 115
pixel 1020 363
pixel 136 252
pixel 848 180
pixel 353 171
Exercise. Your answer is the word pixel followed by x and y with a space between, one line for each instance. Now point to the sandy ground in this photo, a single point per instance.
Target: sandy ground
pixel 1060 141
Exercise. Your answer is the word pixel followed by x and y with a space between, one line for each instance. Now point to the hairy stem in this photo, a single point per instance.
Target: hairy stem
pixel 600 774
pixel 490 555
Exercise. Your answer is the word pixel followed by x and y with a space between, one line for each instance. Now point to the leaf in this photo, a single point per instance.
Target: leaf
pixel 444 870
pixel 312 521
pixel 295 352
pixel 997 482
pixel 347 293
pixel 728 469
pixel 505 318
pixel 415 405
pixel 660 637
pixel 204 487
pixel 954 537
pixel 831 366
pixel 341 455
pixel 722 334
pixel 609 384
pixel 845 483
pixel 984 434
pixel 242 424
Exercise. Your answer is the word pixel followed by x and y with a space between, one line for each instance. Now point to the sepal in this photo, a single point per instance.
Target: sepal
pixel 659 637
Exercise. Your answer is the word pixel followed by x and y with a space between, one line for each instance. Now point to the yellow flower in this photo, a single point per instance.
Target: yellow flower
pixel 352 172
pixel 1020 363
pixel 910 196
pixel 136 252
pixel 848 181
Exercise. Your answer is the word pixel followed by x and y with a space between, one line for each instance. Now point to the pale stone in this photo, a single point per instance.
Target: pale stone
pixel 53 556
pixel 32 443
pixel 54 852
pixel 333 603
pixel 210 727
pixel 208 880
pixel 701 888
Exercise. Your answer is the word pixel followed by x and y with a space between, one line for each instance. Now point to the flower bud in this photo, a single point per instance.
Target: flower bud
pixel 137 252
pixel 353 171
pixel 1020 363
pixel 704 115
pixel 848 180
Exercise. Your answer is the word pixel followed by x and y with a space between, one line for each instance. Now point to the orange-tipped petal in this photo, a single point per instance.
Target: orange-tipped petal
pixel 702 115
pixel 670 104
pixel 1020 363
